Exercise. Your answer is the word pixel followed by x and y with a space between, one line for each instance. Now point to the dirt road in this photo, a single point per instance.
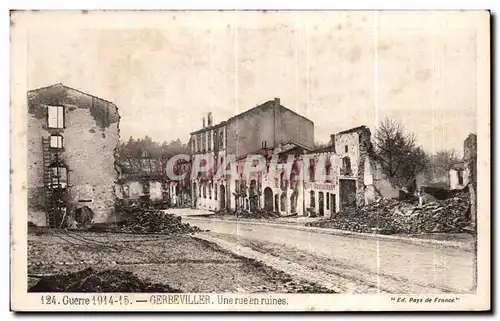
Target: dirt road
pixel 182 262
pixel 362 264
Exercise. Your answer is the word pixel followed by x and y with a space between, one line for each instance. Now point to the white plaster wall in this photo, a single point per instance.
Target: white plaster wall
pixel 155 191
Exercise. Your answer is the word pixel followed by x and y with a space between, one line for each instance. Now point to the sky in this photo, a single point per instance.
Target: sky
pixel 166 70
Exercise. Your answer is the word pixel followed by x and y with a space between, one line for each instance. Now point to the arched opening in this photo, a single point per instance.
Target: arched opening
pixel 293 202
pixel 268 199
pixel 276 203
pixel 312 201
pixel 84 215
pixel 283 202
pixel 254 197
pixel 222 197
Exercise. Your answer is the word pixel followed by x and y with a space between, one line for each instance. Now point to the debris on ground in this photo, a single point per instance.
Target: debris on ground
pixel 391 216
pixel 156 222
pixel 148 221
pixel 90 280
pixel 242 213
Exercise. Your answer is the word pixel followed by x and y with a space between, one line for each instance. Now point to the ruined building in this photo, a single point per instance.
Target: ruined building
pixel 72 137
pixel 258 130
pixel 274 131
pixel 145 179
pixel 350 169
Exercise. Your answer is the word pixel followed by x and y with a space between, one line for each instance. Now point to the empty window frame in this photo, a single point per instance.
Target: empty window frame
pixel 59 177
pixel 221 139
pixel 56 117
pixel 346 166
pixel 460 175
pixel 56 141
pixel 203 142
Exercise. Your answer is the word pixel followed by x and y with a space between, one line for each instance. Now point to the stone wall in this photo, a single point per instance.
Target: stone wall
pixel 296 128
pixel 355 144
pixel 155 191
pixel 247 131
pixel 365 149
pixel 270 123
pixel 90 137
pixel 470 162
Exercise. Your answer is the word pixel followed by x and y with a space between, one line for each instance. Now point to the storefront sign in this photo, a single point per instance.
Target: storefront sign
pixel 324 186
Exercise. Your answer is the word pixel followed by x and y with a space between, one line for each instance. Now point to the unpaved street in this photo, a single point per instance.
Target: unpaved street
pixel 362 263
pixel 179 261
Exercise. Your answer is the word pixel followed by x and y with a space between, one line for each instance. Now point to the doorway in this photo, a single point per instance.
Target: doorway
pixel 222 197
pixel 321 198
pixel 268 199
pixel 347 193
pixel 195 195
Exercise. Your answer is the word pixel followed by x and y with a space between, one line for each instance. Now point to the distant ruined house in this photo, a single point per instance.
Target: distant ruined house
pixel 145 179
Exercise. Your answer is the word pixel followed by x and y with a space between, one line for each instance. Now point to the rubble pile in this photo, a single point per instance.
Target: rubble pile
pixel 242 213
pixel 90 280
pixel 155 221
pixel 390 216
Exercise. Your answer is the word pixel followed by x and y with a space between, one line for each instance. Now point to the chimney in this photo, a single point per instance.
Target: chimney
pixel 203 122
pixel 209 119
pixel 277 122
pixel 332 142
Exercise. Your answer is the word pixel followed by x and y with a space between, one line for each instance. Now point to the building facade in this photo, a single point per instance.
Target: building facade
pixel 276 133
pixel 259 130
pixel 72 137
pixel 210 144
pixel 348 169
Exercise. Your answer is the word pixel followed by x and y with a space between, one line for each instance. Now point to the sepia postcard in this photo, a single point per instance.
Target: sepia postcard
pixel 250 160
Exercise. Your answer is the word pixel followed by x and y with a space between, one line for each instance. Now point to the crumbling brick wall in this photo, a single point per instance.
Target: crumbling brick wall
pixel 470 162
pixel 355 143
pixel 36 202
pixel 90 136
pixel 365 148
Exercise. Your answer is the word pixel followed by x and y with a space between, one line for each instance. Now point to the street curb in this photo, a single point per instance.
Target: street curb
pixel 460 245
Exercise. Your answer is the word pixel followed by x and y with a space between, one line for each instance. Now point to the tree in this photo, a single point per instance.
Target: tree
pixel 319 145
pixel 442 161
pixel 135 148
pixel 398 154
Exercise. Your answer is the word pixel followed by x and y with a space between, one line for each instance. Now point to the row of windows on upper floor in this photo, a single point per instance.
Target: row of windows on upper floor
pixel 203 142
